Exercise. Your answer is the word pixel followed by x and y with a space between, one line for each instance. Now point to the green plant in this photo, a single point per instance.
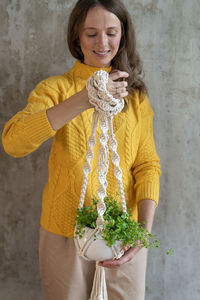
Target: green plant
pixel 118 226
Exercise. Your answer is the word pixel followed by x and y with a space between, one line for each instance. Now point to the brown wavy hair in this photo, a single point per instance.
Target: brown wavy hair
pixel 127 58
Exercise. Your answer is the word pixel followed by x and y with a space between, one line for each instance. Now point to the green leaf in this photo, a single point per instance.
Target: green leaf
pixel 118 226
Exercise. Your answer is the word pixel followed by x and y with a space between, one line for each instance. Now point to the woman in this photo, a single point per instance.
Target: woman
pixel 100 36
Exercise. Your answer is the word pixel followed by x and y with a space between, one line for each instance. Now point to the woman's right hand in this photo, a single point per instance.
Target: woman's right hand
pixel 117 86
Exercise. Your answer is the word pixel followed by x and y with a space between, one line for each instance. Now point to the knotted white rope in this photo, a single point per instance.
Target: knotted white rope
pixel 106 106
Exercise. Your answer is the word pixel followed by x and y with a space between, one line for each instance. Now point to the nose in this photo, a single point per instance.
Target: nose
pixel 102 40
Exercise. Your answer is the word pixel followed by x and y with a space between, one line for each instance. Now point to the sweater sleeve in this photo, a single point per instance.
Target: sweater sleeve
pixel 29 128
pixel 146 168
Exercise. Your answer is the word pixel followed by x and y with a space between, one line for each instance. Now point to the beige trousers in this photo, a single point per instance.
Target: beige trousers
pixel 66 276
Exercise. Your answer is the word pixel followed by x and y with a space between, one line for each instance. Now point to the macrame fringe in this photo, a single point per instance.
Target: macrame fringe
pixel 99 290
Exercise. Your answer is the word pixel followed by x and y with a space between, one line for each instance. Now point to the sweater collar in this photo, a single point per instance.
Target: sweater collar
pixel 85 71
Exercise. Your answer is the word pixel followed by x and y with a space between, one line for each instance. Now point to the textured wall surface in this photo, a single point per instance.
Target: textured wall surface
pixel 33 47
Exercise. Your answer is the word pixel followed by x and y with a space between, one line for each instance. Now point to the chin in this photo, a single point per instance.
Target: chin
pixel 99 62
pixel 103 63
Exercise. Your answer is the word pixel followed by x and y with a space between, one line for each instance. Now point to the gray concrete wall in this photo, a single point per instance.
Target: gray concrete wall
pixel 33 47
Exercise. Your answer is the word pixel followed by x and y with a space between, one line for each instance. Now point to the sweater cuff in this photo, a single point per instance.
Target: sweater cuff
pixel 38 128
pixel 148 190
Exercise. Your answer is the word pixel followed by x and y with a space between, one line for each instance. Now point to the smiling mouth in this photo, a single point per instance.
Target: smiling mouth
pixel 101 53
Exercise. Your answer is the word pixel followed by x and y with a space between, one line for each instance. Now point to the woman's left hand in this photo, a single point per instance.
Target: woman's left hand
pixel 128 255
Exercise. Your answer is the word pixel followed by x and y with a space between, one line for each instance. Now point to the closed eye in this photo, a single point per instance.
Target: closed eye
pixel 93 35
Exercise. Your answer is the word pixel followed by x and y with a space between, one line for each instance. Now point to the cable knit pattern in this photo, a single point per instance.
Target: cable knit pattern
pixel 133 130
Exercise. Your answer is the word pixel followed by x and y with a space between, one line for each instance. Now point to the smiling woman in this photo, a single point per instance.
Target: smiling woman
pixel 100 37
pixel 109 14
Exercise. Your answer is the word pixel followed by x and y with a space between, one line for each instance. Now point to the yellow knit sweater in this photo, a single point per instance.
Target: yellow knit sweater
pixel 139 162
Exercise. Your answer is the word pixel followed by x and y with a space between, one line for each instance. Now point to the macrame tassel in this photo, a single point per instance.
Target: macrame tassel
pixel 99 290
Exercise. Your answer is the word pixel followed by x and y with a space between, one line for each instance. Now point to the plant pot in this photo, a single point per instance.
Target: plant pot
pixel 95 248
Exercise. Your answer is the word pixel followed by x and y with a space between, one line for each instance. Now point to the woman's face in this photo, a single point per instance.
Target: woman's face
pixel 100 37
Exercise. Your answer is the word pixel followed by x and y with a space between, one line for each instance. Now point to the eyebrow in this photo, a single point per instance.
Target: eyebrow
pixel 94 28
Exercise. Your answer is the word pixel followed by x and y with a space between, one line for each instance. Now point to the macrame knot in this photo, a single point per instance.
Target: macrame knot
pixel 99 96
pixel 105 107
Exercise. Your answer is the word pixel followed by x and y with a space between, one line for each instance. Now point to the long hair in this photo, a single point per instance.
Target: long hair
pixel 127 58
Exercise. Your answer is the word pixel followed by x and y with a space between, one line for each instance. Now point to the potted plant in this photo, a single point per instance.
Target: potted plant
pixel 118 230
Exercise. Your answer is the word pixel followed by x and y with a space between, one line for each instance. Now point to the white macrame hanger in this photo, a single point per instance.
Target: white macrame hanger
pixel 106 106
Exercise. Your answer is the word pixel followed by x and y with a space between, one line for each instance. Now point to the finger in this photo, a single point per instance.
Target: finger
pixel 115 263
pixel 117 87
pixel 121 95
pixel 120 84
pixel 124 248
pixel 116 75
pixel 120 90
pixel 113 86
pixel 128 256
pixel 117 71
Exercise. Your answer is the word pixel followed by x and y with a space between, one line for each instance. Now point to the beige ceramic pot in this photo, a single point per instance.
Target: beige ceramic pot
pixel 95 248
